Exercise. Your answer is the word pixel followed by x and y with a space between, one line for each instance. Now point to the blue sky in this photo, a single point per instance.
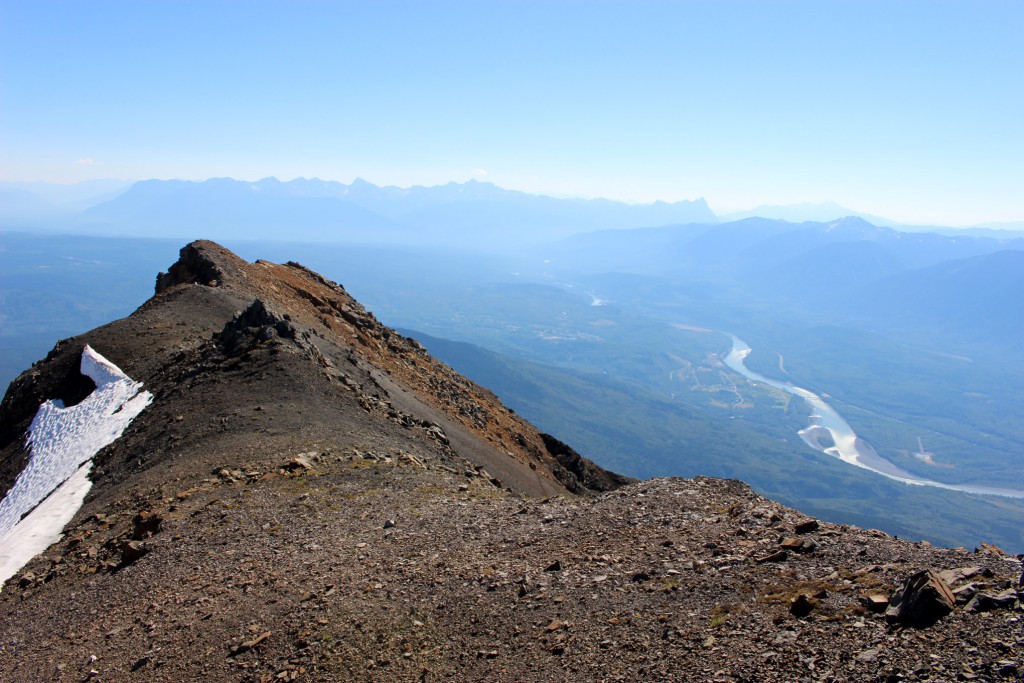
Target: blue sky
pixel 913 110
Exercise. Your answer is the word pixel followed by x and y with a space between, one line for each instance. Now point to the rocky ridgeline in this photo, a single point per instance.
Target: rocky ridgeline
pixel 323 310
pixel 389 566
pixel 312 497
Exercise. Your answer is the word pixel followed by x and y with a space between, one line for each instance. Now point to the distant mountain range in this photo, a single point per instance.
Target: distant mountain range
pixel 456 214
pixel 836 269
pixel 822 212
pixel 471 213
pixel 980 294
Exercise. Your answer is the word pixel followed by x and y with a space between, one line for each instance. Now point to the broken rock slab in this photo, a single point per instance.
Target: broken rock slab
pixel 921 601
pixel 955 576
pixel 875 602
pixel 986 601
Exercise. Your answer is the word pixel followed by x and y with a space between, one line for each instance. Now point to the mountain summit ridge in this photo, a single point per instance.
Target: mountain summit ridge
pixel 320 321
pixel 311 496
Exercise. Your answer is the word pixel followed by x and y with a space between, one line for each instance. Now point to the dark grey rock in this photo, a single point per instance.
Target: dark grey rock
pixel 921 601
pixel 986 601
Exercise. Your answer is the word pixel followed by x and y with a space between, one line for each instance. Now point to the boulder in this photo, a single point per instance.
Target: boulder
pixel 954 576
pixel 132 551
pixel 921 601
pixel 145 524
pixel 798 545
pixel 875 602
pixel 806 526
pixel 966 592
pixel 986 601
pixel 801 606
pixel 298 462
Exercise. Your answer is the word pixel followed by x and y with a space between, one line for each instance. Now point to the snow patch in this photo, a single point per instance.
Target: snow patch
pixel 62 442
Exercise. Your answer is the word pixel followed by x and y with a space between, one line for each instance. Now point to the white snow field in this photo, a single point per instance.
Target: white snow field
pixel 62 443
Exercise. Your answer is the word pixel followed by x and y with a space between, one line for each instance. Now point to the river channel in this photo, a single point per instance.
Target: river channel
pixel 829 433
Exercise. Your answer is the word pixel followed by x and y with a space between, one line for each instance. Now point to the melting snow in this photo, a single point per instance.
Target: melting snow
pixel 62 441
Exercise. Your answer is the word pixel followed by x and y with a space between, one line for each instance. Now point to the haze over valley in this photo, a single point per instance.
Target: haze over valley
pixel 903 333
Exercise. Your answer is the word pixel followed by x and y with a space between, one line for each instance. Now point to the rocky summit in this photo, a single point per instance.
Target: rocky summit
pixel 310 496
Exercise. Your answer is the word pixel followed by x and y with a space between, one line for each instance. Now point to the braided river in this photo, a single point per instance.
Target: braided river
pixel 829 433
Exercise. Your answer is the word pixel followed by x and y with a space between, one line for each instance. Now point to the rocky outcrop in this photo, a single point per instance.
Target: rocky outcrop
pixel 200 263
pixel 578 474
pixel 255 325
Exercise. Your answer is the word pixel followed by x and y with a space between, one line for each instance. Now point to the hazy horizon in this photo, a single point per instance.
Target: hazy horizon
pixel 816 211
